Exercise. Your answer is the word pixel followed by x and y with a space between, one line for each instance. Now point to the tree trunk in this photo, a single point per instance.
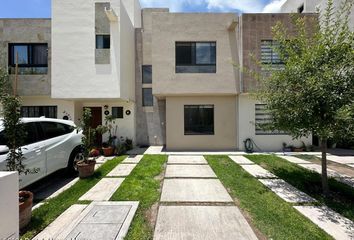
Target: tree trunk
pixel 325 187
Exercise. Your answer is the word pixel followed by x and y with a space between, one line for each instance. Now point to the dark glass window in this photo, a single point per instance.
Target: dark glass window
pixel 103 41
pixel 32 58
pixel 117 112
pixel 148 99
pixel 199 120
pixel 39 111
pixel 3 139
pixel 31 133
pixel 53 129
pixel 147 74
pixel 195 57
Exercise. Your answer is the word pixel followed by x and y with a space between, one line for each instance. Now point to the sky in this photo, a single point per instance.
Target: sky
pixel 42 8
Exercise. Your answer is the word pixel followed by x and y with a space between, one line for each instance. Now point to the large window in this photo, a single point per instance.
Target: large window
pixel 269 56
pixel 195 57
pixel 32 58
pixel 147 74
pixel 103 41
pixel 39 111
pixel 263 117
pixel 148 99
pixel 199 119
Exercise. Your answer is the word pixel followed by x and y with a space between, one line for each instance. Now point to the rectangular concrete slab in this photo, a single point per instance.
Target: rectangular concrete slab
pixel 62 222
pixel 318 168
pixel 202 223
pixel 189 171
pixel 133 159
pixel 341 159
pixel 122 170
pixel 103 190
pixel 102 220
pixel 331 222
pixel 295 160
pixel 174 159
pixel 241 160
pixel 348 181
pixel 258 171
pixel 286 191
pixel 194 190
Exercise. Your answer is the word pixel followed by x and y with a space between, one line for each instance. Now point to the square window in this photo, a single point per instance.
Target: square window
pixel 147 74
pixel 199 120
pixel 148 99
pixel 103 41
pixel 117 112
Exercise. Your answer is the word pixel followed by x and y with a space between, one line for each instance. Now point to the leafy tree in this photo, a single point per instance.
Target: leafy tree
pixel 13 129
pixel 314 92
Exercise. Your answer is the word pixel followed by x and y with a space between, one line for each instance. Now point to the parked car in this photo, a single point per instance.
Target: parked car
pixel 50 145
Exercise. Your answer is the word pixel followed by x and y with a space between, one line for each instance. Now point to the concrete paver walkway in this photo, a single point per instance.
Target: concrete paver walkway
pixel 122 170
pixel 241 160
pixel 103 190
pixel 189 171
pixel 333 223
pixel 184 218
pixel 186 160
pixel 202 223
pixel 258 171
pixel 286 191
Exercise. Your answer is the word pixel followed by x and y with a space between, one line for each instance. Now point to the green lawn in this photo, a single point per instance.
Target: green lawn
pixel 341 198
pixel 143 185
pixel 275 218
pixel 47 213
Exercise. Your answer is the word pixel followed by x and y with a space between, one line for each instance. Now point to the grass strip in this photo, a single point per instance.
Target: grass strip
pixel 274 217
pixel 143 185
pixel 341 197
pixel 47 213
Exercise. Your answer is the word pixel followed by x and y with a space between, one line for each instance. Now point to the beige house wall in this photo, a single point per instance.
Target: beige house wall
pixel 168 28
pixel 246 129
pixel 224 137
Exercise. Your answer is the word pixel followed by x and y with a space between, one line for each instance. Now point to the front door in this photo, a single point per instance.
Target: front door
pixel 95 122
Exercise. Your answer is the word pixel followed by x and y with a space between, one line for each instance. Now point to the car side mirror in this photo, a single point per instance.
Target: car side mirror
pixel 4 149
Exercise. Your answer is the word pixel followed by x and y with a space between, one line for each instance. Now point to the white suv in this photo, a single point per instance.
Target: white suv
pixel 50 145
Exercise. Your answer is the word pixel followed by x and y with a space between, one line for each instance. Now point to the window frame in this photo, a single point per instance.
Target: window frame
pixel 211 133
pixel 118 116
pixel 194 61
pixel 142 74
pixel 30 56
pixel 262 112
pixel 143 99
pixel 103 36
pixel 41 110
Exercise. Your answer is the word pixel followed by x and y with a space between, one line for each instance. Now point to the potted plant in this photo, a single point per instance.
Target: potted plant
pixel 108 147
pixel 15 134
pixel 286 148
pixel 86 166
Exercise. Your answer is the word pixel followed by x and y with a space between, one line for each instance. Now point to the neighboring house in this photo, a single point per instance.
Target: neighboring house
pixel 312 6
pixel 168 78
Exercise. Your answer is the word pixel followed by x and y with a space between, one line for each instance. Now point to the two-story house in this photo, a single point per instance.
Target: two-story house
pixel 170 79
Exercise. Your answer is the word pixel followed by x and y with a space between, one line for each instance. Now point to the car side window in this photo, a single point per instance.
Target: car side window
pixel 53 129
pixel 3 140
pixel 31 133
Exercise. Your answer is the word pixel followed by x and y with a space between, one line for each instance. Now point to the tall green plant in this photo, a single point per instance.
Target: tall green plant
pixel 88 133
pixel 314 93
pixel 13 129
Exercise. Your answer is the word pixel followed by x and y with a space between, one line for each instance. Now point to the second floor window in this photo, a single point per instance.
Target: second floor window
pixel 103 41
pixel 147 74
pixel 195 57
pixel 32 58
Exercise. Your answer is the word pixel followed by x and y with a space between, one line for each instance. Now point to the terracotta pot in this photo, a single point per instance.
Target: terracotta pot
pixel 108 151
pixel 25 208
pixel 86 169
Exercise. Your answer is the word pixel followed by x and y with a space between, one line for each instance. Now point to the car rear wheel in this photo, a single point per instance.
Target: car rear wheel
pixel 75 156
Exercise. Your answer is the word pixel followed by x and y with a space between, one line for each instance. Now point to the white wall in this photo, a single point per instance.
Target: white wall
pixel 246 129
pixel 9 220
pixel 126 125
pixel 74 72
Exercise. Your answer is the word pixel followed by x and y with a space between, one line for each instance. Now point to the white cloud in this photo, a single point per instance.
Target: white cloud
pixel 242 5
pixel 274 6
pixel 212 5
